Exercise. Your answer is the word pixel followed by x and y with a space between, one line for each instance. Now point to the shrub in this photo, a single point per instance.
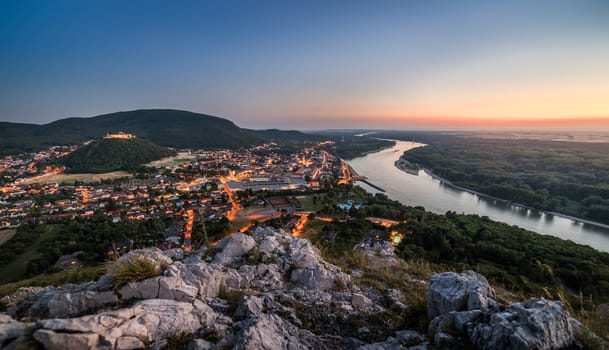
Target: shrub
pixel 134 269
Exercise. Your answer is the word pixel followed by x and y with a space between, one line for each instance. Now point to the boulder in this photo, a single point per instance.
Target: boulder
pixel 269 245
pixel 533 324
pixel 248 305
pixel 208 277
pixel 11 329
pixel 60 341
pixel 450 291
pixel 376 247
pixel 146 289
pixel 455 322
pixel 69 301
pixel 150 321
pixel 313 278
pixel 233 247
pixel 303 254
pixel 75 304
pixel 262 276
pixel 360 302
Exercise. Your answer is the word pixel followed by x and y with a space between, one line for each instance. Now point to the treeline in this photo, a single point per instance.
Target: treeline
pixel 566 177
pixel 108 155
pixel 349 147
pixel 519 259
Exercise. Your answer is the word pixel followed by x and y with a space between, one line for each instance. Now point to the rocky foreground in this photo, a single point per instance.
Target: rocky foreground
pixel 273 291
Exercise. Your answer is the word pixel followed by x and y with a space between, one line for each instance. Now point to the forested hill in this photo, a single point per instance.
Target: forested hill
pixel 165 127
pixel 566 177
pixel 108 155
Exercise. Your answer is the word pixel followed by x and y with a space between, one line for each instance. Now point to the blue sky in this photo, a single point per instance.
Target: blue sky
pixel 308 64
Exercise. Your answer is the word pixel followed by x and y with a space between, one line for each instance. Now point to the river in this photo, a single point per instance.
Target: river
pixel 439 197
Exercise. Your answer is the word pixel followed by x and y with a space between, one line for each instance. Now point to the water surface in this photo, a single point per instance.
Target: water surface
pixel 439 197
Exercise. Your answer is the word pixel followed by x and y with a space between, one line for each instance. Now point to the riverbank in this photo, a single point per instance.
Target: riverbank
pixel 364 180
pixel 519 205
pixel 375 150
pixel 406 166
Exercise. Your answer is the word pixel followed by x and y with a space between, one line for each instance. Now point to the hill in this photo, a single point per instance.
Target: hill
pixel 108 155
pixel 287 136
pixel 166 127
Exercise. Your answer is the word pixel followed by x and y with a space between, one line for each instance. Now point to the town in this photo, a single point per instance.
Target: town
pixel 242 187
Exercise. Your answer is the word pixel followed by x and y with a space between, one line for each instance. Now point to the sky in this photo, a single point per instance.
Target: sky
pixel 311 64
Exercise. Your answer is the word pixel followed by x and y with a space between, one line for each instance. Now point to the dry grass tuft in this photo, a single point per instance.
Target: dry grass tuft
pixel 131 270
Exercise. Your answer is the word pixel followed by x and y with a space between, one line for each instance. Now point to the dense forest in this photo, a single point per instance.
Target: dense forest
pixel 566 177
pixel 108 155
pixel 349 147
pixel 520 260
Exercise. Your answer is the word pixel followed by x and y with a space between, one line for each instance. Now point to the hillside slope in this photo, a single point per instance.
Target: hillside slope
pixel 166 127
pixel 108 155
pixel 296 300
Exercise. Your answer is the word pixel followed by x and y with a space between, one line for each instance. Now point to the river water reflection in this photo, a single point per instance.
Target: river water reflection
pixel 438 197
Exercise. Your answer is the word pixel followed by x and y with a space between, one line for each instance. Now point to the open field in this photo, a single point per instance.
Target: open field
pixel 16 268
pixel 245 216
pixel 180 158
pixel 5 235
pixel 69 178
pixel 307 203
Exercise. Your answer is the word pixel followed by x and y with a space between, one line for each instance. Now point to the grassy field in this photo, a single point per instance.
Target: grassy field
pixel 254 213
pixel 5 235
pixel 307 203
pixel 313 229
pixel 69 178
pixel 180 158
pixel 17 267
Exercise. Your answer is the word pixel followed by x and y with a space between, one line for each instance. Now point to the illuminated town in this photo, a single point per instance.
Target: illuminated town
pixel 193 187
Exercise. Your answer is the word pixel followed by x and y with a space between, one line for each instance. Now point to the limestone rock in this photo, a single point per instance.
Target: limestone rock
pixel 11 329
pixel 271 332
pixel 74 304
pixel 61 341
pixel 403 340
pixel 360 301
pixel 376 247
pixel 313 278
pixel 208 277
pixel 199 344
pixel 150 321
pixel 176 254
pixel 248 306
pixel 455 322
pixel 16 297
pixel 533 324
pixel 146 289
pixel 303 254
pixel 67 302
pixel 449 291
pixel 234 247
